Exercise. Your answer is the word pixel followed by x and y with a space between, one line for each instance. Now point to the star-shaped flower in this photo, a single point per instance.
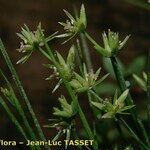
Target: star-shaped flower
pixel 32 41
pixel 88 81
pixel 112 107
pixel 67 110
pixel 112 44
pixel 75 25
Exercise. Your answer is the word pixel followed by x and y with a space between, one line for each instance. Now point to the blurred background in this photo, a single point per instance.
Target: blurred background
pixel 125 16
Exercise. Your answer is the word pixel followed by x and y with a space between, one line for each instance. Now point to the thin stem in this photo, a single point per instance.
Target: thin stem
pixel 96 95
pixel 21 90
pixel 93 111
pixel 20 110
pixel 13 118
pixel 91 39
pixel 148 91
pixel 122 84
pixel 129 101
pixel 72 95
pixel 86 53
pixel 144 132
pixel 79 58
pixel 134 134
pixel 120 79
pixel 118 126
pixel 89 66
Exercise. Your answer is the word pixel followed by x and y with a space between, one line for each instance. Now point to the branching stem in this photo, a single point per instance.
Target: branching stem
pixel 51 57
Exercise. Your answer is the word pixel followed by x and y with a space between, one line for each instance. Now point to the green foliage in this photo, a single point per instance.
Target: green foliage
pixel 24 97
pixel 73 26
pixel 68 65
pixel 87 82
pixel 67 68
pixel 113 107
pixel 68 110
pixel 135 67
pixel 112 44
pixel 141 82
pixel 72 72
pixel 31 41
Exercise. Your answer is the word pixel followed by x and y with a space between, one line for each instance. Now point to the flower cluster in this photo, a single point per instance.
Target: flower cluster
pixel 31 41
pixel 67 110
pixel 66 66
pixel 112 44
pixel 88 81
pixel 74 26
pixel 65 122
pixel 113 107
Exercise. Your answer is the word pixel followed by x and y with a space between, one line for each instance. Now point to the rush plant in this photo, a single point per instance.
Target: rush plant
pixel 76 74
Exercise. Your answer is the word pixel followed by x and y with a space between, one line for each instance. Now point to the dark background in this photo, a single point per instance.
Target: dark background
pixel 117 15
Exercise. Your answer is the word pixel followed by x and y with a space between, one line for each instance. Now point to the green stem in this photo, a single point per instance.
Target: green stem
pixel 96 44
pixel 19 108
pixel 129 101
pixel 13 118
pixel 96 95
pixel 79 58
pixel 120 79
pixel 134 135
pixel 21 90
pixel 123 87
pixel 89 66
pixel 28 127
pixel 71 93
pixel 91 39
pixel 122 84
pixel 15 121
pixel 144 132
pixel 148 92
pixel 86 53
